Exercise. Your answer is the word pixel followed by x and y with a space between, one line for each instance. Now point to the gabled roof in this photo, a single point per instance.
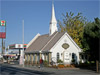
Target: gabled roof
pixel 39 43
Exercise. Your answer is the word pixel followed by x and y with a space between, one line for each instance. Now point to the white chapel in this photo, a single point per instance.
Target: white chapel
pixel 53 46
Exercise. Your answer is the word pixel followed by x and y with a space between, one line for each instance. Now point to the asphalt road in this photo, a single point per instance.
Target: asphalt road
pixel 15 70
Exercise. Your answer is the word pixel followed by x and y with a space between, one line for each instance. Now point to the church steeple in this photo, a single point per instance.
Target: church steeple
pixel 53 22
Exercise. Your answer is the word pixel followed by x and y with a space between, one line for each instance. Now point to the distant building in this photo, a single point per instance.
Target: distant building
pixel 17 46
pixel 54 46
pixel 15 49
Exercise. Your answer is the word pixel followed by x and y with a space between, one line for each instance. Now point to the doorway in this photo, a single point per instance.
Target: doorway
pixel 66 57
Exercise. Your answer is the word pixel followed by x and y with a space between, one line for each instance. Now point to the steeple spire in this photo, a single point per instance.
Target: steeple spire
pixel 53 18
pixel 53 22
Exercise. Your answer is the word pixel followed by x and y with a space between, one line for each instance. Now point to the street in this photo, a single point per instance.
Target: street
pixel 18 70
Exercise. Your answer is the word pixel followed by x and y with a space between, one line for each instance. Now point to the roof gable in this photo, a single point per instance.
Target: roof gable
pixel 39 43
pixel 69 37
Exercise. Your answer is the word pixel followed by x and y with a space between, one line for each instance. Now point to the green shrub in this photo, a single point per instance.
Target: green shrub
pixel 73 60
pixel 59 61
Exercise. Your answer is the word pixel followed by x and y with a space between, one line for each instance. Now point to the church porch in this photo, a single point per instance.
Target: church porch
pixel 34 58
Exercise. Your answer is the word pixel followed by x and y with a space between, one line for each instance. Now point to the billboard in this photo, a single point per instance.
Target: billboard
pixel 3 35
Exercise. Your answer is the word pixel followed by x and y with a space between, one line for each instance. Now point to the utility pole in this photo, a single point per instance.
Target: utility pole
pixel 23 42
pixel 2 47
pixel 22 51
pixel 2 50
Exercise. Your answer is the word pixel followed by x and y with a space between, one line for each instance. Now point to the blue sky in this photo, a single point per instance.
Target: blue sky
pixel 37 14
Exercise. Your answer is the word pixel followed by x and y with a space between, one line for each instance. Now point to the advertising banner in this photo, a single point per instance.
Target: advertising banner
pixel 3 35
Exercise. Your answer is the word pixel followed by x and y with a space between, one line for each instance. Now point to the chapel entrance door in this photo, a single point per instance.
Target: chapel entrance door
pixel 66 57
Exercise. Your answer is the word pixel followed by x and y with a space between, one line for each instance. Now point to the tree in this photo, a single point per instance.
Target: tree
pixel 74 25
pixel 91 38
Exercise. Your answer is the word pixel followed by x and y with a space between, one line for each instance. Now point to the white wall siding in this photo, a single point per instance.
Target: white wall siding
pixel 58 48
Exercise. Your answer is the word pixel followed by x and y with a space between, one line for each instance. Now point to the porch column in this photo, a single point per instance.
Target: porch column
pixel 28 58
pixel 49 58
pixel 32 58
pixel 36 58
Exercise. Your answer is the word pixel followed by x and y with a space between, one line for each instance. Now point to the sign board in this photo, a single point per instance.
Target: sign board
pixel 17 46
pixel 2 23
pixel 3 35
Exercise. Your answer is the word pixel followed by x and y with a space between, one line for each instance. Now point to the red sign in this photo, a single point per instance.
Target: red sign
pixel 2 34
pixel 19 46
pixel 2 23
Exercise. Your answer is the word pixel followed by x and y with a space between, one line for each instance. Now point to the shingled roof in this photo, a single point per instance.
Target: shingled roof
pixel 44 42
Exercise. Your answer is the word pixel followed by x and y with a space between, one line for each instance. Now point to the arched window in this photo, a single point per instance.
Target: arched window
pixel 73 55
pixel 58 56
